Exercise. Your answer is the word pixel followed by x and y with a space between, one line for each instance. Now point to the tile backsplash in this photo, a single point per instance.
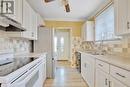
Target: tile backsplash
pixel 117 46
pixel 17 45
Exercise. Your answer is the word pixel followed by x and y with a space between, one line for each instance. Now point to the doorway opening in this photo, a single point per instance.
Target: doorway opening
pixel 62 44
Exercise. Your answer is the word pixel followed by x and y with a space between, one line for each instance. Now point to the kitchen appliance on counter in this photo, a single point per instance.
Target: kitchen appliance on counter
pixel 78 61
pixel 20 72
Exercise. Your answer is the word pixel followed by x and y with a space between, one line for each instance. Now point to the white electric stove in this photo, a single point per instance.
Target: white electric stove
pixel 20 72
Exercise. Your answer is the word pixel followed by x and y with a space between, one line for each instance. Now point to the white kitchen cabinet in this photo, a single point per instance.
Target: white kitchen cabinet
pixel 102 78
pixel 88 31
pixel 83 66
pixel 26 19
pixel 116 83
pixel 29 22
pixel 88 69
pixel 40 20
pixel 122 17
pixel 17 16
pixel 105 80
pixel 116 77
pixel 33 24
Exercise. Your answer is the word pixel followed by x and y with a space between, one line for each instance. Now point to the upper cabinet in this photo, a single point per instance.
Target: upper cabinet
pixel 17 14
pixel 28 18
pixel 29 21
pixel 122 17
pixel 88 31
pixel 40 20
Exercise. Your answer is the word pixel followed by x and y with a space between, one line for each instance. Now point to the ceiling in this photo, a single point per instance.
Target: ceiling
pixel 80 9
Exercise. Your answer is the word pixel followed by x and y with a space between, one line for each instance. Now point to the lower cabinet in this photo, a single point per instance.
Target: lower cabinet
pixel 102 74
pixel 102 78
pixel 88 69
pixel 105 80
pixel 116 83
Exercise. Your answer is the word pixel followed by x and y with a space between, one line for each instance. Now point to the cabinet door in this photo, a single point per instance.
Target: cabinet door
pixel 128 23
pixel 102 79
pixel 33 24
pixel 121 14
pixel 90 70
pixel 44 77
pixel 17 15
pixel 19 10
pixel 115 83
pixel 26 19
pixel 83 66
pixel 84 32
pixel 90 31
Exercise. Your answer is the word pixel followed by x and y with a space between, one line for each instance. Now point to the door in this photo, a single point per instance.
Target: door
pixel 62 45
pixel 116 83
pixel 45 44
pixel 102 78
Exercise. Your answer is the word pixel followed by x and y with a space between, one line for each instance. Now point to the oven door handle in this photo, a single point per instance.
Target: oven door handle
pixel 25 79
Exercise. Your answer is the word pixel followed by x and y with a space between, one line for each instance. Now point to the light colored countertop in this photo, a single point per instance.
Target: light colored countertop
pixel 29 54
pixel 116 60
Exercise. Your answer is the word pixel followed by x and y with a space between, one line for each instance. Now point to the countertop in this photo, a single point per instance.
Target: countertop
pixel 113 59
pixel 30 54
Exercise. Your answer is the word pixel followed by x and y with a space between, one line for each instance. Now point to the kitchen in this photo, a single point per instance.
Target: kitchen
pixel 55 43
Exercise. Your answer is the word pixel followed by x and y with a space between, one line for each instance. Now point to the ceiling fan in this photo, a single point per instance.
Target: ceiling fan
pixel 65 3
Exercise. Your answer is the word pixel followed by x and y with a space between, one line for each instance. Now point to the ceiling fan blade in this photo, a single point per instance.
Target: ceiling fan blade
pixel 67 8
pixel 48 1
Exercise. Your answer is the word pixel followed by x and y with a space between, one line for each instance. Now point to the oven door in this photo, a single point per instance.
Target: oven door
pixel 29 79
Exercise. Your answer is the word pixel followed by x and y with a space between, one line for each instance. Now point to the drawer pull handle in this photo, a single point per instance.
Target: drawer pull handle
pixel 120 75
pixel 106 82
pixel 128 25
pixel 100 65
pixel 109 83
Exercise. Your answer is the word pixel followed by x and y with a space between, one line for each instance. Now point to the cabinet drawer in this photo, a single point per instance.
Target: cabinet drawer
pixel 102 65
pixel 120 74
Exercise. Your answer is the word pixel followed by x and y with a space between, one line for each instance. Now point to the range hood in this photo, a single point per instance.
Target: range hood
pixel 8 24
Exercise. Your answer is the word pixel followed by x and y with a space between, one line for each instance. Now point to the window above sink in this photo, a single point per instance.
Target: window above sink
pixel 105 26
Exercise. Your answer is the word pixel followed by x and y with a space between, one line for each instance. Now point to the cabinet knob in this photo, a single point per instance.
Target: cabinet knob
pixel 32 34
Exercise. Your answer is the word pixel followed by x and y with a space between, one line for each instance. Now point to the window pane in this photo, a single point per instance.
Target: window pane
pixel 104 25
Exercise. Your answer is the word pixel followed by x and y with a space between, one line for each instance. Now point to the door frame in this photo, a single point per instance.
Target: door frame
pixel 70 34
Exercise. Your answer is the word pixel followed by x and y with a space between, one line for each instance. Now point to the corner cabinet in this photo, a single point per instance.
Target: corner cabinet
pixel 88 31
pixel 122 17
